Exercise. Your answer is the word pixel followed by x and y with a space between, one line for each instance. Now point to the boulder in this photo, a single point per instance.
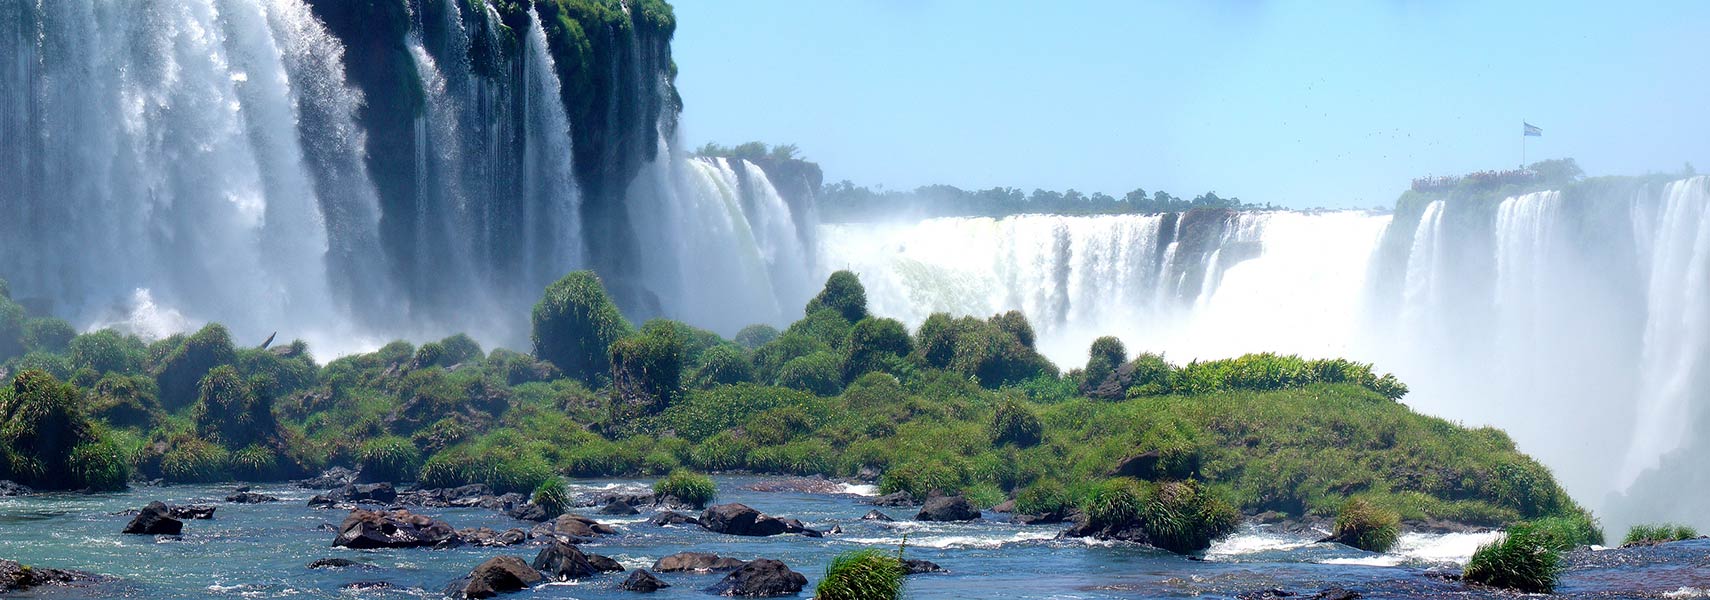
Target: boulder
pixel 10 488
pixel 1140 466
pixel 696 561
pixel 797 526
pixel 363 586
pixel 640 580
pixel 673 518
pixel 605 564
pixel 333 478
pixel 15 577
pixel 894 500
pixel 572 528
pixel 563 562
pixel 875 515
pixel 154 519
pixel 393 529
pixel 915 566
pixel 364 493
pixel 947 508
pixel 529 512
pixel 620 508
pixel 760 578
pixel 499 575
pixel 192 511
pixel 1336 593
pixel 487 537
pixel 248 497
pixel 338 563
pixel 739 519
pixel 1007 506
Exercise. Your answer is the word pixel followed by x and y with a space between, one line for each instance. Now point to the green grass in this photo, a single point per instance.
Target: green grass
pixel 1521 560
pixel 862 575
pixel 1367 527
pixel 1658 533
pixel 552 496
pixel 687 487
pixel 1569 532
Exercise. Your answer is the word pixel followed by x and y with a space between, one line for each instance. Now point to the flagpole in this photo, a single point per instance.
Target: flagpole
pixel 1522 145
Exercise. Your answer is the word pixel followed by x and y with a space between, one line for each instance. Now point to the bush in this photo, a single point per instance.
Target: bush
pixel 125 401
pixel 875 345
pixel 862 575
pixel 1014 423
pixel 47 335
pixel 647 371
pixel 1518 560
pixel 1109 349
pixel 1015 323
pixel 190 460
pixel 1569 532
pixel 41 425
pixel 722 452
pixel 108 351
pixel 503 469
pixel 1367 527
pixel 755 336
pixel 99 466
pixel 1183 517
pixel 1113 503
pixel 993 356
pixel 11 329
pixel 552 496
pixel 229 412
pixel 816 373
pixel 575 323
pixel 1658 534
pixel 723 364
pixel 459 349
pixel 1045 497
pixel 687 487
pixel 53 364
pixel 255 462
pixel 919 478
pixel 179 374
pixel 389 458
pixel 844 294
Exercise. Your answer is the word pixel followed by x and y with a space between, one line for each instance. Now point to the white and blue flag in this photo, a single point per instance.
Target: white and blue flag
pixel 1532 130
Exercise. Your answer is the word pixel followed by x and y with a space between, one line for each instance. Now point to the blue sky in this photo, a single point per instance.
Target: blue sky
pixel 1297 103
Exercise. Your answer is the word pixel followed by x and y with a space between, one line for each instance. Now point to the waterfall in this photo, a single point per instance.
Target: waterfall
pixel 553 204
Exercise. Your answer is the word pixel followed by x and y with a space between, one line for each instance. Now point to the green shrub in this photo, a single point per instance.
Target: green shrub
pixel 1569 532
pixel 875 345
pixel 190 460
pixel 229 412
pixel 389 458
pixel 722 452
pixel 575 323
pixel 1044 497
pixel 647 371
pixel 53 364
pixel 688 487
pixel 843 294
pixel 816 373
pixel 755 336
pixel 255 462
pixel 1518 560
pixel 1113 503
pixel 1183 517
pixel 1658 534
pixel 125 401
pixel 179 374
pixel 99 466
pixel 459 349
pixel 1014 423
pixel 1015 323
pixel 1365 526
pixel 982 350
pixel 47 334
pixel 503 469
pixel 40 425
pixel 769 359
pixel 108 351
pixel 919 478
pixel 862 575
pixel 552 496
pixel 723 364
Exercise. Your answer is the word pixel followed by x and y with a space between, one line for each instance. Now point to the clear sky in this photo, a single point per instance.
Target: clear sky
pixel 1299 103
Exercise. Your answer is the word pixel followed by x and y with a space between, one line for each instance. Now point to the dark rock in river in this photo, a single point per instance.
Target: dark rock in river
pixel 365 493
pixel 154 519
pixel 362 586
pixel 395 529
pixel 605 564
pixel 894 500
pixel 875 515
pixel 15 577
pixel 640 580
pixel 487 537
pixel 529 512
pixel 759 579
pixel 563 562
pixel 915 566
pixel 947 508
pixel 800 485
pixel 620 508
pixel 192 511
pixel 673 518
pixel 333 478
pixel 1336 594
pixel 338 563
pixel 696 561
pixel 1007 506
pixel 247 497
pixel 572 528
pixel 10 488
pixel 499 575
pixel 739 519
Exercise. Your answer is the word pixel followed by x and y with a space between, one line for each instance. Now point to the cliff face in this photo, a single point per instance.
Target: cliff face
pixel 449 106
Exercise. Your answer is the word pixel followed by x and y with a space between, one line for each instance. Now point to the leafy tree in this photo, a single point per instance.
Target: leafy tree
pixel 647 370
pixel 875 345
pixel 108 351
pixel 844 294
pixel 47 335
pixel 231 413
pixel 575 323
pixel 754 336
pixel 724 364
pixel 180 373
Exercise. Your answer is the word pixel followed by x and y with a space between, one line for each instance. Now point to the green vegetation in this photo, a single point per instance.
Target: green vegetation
pixel 552 496
pixel 862 575
pixel 1658 534
pixel 1367 527
pixel 687 487
pixel 1521 560
pixel 1165 453
pixel 845 201
pixel 1568 532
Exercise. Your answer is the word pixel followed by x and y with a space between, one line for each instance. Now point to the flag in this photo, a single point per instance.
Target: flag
pixel 1532 130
